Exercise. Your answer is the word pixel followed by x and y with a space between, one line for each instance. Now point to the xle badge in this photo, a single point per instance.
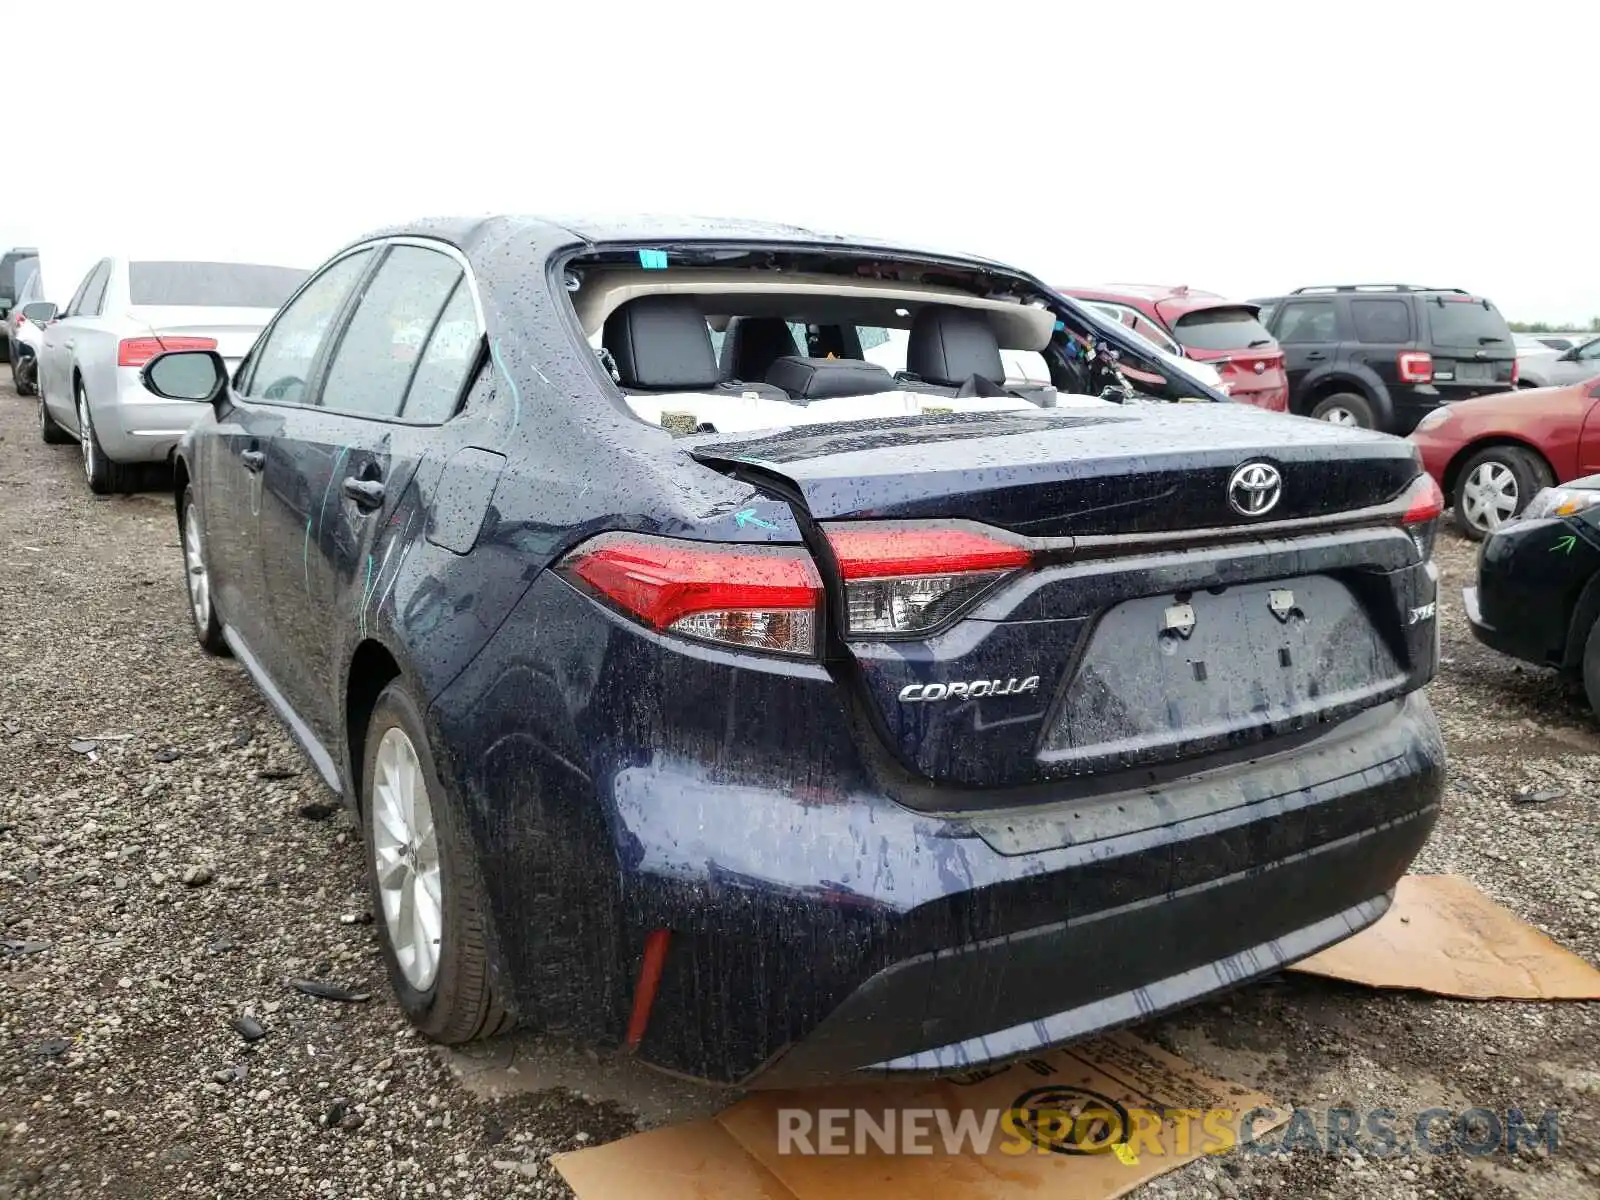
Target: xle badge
pixel 917 693
pixel 1417 615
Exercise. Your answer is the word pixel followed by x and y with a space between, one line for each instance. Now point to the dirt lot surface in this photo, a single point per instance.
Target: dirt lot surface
pixel 169 879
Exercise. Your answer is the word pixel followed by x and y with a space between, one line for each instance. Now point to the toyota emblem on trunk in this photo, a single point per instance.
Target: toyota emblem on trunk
pixel 1254 488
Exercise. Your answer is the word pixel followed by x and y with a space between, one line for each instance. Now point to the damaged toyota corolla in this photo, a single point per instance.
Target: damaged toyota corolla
pixel 706 687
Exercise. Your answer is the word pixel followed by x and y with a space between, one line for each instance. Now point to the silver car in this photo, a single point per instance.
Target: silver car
pixel 124 314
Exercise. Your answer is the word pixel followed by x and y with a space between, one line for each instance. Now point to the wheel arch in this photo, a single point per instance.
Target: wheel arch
pixel 372 668
pixel 1452 470
pixel 1343 379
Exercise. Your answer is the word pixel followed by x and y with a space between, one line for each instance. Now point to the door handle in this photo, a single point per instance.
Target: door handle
pixel 253 460
pixel 367 493
pixel 1316 356
pixel 69 343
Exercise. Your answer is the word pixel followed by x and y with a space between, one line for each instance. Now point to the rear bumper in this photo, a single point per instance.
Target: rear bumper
pixel 138 426
pixel 1248 889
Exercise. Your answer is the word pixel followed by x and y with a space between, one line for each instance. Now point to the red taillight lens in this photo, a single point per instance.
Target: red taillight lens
pixel 1416 366
pixel 1516 370
pixel 907 580
pixel 752 596
pixel 19 320
pixel 1424 501
pixel 135 352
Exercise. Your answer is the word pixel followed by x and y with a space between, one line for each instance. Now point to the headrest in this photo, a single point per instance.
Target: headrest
pixel 661 343
pixel 949 345
pixel 828 378
pixel 753 344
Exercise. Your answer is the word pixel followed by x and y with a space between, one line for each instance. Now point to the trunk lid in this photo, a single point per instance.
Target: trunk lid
pixel 1050 473
pixel 234 329
pixel 1103 654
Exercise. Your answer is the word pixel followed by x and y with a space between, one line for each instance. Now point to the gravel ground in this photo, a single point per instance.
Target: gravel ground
pixel 161 887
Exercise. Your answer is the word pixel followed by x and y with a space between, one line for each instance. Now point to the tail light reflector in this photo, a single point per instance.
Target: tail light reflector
pixel 908 579
pixel 756 597
pixel 135 352
pixel 1415 366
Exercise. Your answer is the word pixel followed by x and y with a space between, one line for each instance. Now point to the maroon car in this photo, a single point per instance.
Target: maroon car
pixel 1203 326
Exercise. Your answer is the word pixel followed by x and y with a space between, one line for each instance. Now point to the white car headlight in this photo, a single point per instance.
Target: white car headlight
pixel 1559 502
pixel 1437 417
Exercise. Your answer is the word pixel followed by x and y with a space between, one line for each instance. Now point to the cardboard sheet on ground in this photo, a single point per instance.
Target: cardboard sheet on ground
pixel 1136 1110
pixel 1442 935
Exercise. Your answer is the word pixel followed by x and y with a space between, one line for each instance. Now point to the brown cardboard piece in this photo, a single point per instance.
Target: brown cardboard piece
pixel 1442 935
pixel 736 1155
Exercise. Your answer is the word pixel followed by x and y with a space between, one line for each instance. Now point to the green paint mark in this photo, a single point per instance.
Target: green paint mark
pixel 1565 544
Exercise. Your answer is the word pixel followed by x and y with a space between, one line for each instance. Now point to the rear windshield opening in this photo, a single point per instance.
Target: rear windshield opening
pixel 211 285
pixel 1221 329
pixel 752 340
pixel 1467 322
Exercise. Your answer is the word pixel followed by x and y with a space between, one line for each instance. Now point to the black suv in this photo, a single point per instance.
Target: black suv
pixel 1385 355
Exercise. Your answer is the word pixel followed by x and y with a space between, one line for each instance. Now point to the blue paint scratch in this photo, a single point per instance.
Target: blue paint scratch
pixel 305 556
pixel 516 396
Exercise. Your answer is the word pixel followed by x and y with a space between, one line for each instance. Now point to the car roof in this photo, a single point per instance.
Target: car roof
pixel 464 232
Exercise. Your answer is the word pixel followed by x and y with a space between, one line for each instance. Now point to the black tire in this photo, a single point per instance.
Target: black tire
pixel 1520 469
pixel 49 432
pixel 1591 669
pixel 1353 404
pixel 208 632
pixel 103 475
pixel 464 1000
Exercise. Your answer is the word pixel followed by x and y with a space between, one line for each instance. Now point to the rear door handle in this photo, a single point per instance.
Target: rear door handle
pixel 69 343
pixel 1316 356
pixel 367 493
pixel 253 460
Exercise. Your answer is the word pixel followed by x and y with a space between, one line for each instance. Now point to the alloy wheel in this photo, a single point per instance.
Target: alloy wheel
pixel 86 436
pixel 1489 497
pixel 195 570
pixel 406 855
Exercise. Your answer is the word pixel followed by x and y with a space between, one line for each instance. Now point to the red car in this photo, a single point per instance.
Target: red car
pixel 1203 326
pixel 1490 455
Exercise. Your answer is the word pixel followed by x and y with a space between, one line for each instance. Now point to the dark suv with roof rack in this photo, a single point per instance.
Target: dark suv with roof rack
pixel 1383 356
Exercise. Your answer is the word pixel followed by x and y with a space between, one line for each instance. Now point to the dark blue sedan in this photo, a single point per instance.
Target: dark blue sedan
pixel 736 651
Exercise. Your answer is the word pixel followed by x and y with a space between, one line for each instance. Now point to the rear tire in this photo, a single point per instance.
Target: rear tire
pixel 197 579
pixel 103 475
pixel 1494 486
pixel 446 989
pixel 1345 408
pixel 49 432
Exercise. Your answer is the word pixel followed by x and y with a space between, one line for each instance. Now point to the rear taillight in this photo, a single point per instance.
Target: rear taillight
pixel 135 352
pixel 1424 504
pixel 1416 366
pixel 1516 370
pixel 755 597
pixel 908 580
pixel 18 320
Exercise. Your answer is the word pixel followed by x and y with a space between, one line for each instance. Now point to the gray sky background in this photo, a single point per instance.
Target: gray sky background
pixel 1240 147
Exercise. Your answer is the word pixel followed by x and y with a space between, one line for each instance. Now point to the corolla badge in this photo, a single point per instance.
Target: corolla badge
pixel 1254 489
pixel 974 689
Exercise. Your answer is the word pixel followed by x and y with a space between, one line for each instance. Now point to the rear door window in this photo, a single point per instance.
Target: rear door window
pixel 1221 329
pixel 1466 322
pixel 1308 321
pixel 452 348
pixel 1381 322
pixel 384 342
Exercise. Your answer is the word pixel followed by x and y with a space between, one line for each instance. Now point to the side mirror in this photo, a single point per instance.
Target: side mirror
pixel 40 312
pixel 198 375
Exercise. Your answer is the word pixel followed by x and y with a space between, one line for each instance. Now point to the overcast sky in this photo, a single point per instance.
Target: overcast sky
pixel 1240 147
